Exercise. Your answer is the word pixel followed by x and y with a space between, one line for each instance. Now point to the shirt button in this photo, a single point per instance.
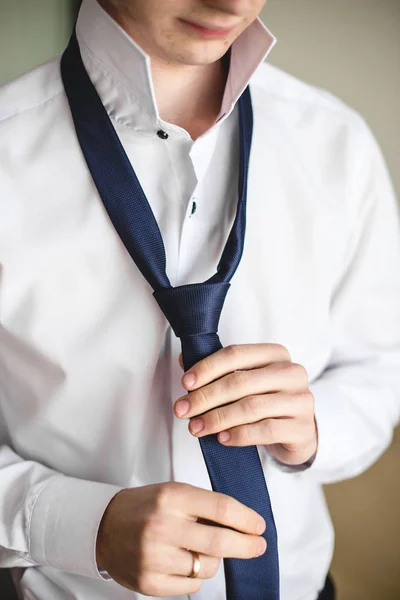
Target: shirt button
pixel 162 134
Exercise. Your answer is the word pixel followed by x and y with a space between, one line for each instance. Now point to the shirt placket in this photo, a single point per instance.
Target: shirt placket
pixel 188 464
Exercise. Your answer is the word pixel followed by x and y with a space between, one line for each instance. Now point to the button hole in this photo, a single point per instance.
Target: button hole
pixel 194 207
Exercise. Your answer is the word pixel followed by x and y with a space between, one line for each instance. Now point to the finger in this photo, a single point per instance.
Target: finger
pixel 272 378
pixel 158 585
pixel 209 565
pixel 180 359
pixel 170 560
pixel 232 358
pixel 219 541
pixel 266 432
pixel 245 411
pixel 213 506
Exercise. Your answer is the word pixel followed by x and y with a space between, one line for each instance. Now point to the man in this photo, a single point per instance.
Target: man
pixel 104 492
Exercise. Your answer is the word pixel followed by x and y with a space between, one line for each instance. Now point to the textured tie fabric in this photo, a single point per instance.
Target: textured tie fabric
pixel 193 310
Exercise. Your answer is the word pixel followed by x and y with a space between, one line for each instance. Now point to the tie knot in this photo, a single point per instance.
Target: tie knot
pixel 193 309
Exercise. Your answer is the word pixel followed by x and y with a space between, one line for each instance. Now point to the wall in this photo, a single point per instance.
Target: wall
pixel 352 48
pixel 31 32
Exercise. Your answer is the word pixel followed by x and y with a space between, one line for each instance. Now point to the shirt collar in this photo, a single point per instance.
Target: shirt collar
pixel 121 70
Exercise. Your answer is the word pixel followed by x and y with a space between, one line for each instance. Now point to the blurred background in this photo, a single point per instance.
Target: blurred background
pixel 351 48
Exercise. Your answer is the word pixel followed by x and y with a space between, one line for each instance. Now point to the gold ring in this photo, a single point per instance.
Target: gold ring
pixel 196 565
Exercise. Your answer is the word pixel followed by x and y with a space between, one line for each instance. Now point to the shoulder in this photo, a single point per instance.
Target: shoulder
pixel 323 131
pixel 300 103
pixel 30 91
pixel 32 116
pixel 310 130
pixel 34 128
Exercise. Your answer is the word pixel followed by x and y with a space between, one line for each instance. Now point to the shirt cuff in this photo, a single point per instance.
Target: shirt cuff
pixel 295 468
pixel 64 523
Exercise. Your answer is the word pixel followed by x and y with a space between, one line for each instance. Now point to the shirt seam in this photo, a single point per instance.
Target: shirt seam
pixel 357 227
pixel 31 107
pixel 40 490
pixel 332 103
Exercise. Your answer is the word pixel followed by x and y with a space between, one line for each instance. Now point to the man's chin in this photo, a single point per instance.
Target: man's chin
pixel 200 55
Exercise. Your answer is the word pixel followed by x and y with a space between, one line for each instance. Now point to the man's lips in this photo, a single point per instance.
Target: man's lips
pixel 209 31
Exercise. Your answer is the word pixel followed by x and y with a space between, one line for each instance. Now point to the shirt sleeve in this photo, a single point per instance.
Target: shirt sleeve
pixel 47 518
pixel 357 398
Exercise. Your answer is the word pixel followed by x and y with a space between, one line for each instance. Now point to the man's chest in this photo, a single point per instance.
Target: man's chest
pixel 85 345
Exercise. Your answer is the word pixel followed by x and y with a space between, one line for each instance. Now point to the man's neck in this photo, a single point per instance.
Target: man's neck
pixel 189 96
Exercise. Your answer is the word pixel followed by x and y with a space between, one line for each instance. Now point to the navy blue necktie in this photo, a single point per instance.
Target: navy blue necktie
pixel 192 310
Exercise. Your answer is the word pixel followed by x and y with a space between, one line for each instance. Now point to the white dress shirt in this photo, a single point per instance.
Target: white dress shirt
pixel 88 366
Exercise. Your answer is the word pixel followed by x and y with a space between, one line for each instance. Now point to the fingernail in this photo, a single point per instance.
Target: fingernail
pixel 262 548
pixel 182 407
pixel 261 527
pixel 196 426
pixel 188 380
pixel 224 436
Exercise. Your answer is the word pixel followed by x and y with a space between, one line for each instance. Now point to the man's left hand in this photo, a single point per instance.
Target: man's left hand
pixel 249 395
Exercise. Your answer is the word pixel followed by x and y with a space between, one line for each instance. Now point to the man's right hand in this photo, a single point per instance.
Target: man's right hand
pixel 146 535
